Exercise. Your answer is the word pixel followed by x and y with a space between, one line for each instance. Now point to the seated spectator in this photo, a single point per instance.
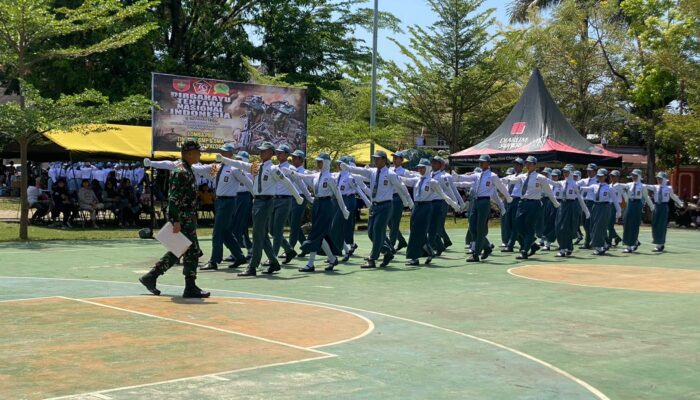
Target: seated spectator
pixel 206 198
pixel 146 205
pixel 89 201
pixel 113 201
pixel 36 198
pixel 132 205
pixel 97 189
pixel 63 203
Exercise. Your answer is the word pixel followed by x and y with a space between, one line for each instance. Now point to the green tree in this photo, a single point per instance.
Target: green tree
pixel 30 32
pixel 340 119
pixel 453 75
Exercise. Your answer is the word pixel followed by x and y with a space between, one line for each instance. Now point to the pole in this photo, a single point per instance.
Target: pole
pixel 373 108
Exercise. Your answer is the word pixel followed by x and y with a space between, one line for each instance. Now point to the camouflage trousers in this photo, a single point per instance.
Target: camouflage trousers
pixel 190 259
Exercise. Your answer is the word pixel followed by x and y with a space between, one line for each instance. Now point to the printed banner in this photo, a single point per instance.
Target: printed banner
pixel 217 112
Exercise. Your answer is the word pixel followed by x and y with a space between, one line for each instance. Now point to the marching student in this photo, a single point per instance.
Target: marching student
pixel 485 184
pixel 265 184
pixel 636 196
pixel 618 195
pixel 603 201
pixel 533 184
pixel 662 193
pixel 590 180
pixel 441 240
pixel 426 190
pixel 567 218
pixel 296 233
pixel 343 230
pixel 396 239
pixel 325 192
pixel 383 185
pixel 514 190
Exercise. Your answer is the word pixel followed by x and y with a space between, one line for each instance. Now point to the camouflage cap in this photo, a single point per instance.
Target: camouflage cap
pixel 266 146
pixel 190 144
pixel 399 153
pixel 255 102
pixel 284 148
pixel 323 157
pixel 379 154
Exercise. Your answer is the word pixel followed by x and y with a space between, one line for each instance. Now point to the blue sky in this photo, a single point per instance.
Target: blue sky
pixel 415 12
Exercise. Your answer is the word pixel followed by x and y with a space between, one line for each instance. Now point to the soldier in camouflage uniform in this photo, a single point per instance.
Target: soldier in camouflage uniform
pixel 182 213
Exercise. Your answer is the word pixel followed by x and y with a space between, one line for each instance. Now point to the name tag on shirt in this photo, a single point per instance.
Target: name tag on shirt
pixel 386 182
pixel 342 187
pixel 488 183
pixel 265 178
pixel 325 184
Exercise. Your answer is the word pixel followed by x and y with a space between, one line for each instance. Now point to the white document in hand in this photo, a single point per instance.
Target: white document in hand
pixel 176 243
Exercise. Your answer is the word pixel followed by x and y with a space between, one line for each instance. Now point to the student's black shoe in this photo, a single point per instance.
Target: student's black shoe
pixel 569 253
pixel 248 272
pixel 149 281
pixel 473 258
pixel 302 254
pixel 352 249
pixel 412 263
pixel 289 256
pixel 585 247
pixel 369 264
pixel 230 259
pixel 210 266
pixel 507 250
pixel 387 259
pixel 627 250
pixel 334 263
pixel 578 240
pixel 560 254
pixel 534 248
pixel 237 263
pixel 267 263
pixel 617 241
pixel 400 246
pixel 448 244
pixel 486 253
pixel 308 268
pixel 192 291
pixel 346 258
pixel 272 269
pixel 428 260
pixel 658 249
pixel 522 256
pixel 598 252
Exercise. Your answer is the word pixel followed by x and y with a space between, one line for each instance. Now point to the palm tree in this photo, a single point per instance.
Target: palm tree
pixel 518 10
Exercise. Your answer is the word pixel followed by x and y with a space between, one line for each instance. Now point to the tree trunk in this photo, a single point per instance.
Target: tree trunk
pixel 24 183
pixel 651 153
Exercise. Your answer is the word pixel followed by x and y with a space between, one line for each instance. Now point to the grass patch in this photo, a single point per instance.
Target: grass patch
pixel 9 231
pixel 9 203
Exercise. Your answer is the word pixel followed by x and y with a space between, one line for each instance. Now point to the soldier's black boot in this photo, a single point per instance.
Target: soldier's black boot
pixel 192 291
pixel 149 281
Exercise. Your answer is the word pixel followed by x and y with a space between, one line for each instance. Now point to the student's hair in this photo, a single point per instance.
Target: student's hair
pixel 85 181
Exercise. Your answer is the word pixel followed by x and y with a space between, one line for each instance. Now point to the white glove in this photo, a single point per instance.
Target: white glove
pixel 410 205
pixel 346 214
pixel 219 157
pixel 146 162
pixel 299 199
pixel 556 204
pixel 509 199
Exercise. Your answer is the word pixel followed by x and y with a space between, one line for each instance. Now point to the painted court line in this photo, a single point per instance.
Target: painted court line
pixel 512 272
pixel 559 371
pixel 214 375
pixel 197 325
pixel 370 324
pixel 28 299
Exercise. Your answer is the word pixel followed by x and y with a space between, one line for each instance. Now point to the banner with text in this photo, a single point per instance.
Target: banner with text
pixel 217 112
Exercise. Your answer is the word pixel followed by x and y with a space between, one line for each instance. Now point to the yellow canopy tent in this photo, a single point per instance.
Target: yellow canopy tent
pixel 361 152
pixel 117 141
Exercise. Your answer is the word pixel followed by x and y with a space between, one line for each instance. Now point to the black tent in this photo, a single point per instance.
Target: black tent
pixel 536 126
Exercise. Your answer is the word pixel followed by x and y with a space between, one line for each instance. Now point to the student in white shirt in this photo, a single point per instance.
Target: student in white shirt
pixel 603 201
pixel 265 181
pixel 326 197
pixel 533 185
pixel 383 185
pixel 662 193
pixel 426 191
pixel 636 195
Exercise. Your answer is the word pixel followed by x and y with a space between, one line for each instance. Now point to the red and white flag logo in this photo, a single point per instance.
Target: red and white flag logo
pixel 518 128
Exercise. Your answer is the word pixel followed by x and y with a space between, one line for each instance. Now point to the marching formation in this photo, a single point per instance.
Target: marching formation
pixel 539 209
